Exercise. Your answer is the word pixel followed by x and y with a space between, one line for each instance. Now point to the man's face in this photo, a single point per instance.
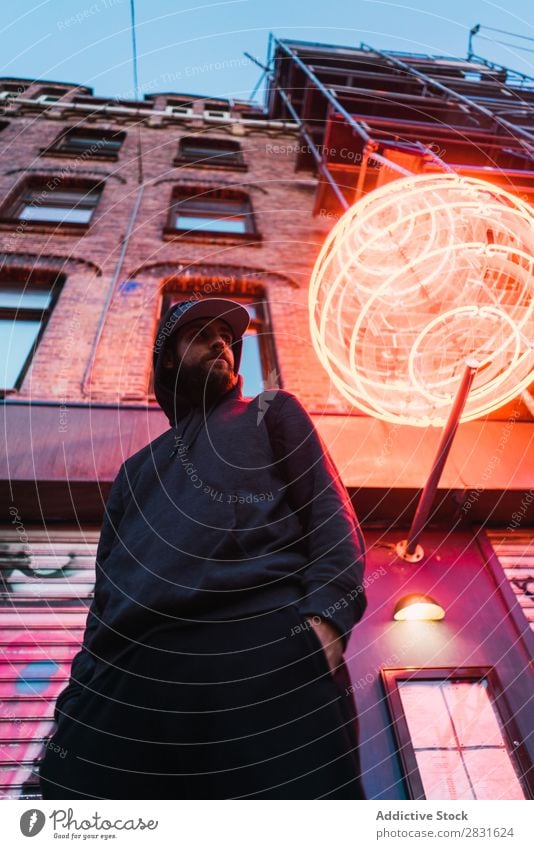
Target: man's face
pixel 202 350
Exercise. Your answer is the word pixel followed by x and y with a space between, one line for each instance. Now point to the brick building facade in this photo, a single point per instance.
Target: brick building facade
pixel 109 209
pixel 280 260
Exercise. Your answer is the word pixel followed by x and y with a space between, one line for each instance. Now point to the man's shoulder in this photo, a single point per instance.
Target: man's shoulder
pixel 271 403
pixel 149 450
pixel 287 403
pixel 276 399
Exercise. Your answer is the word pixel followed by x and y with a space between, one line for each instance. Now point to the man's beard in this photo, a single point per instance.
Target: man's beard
pixel 204 384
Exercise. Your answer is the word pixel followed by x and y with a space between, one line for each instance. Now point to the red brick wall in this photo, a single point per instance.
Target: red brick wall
pixel 291 239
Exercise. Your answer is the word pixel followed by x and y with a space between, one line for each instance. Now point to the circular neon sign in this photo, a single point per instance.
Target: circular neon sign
pixel 415 279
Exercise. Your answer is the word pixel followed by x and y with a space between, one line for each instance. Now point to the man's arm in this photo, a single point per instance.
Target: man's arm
pixel 333 579
pixel 83 663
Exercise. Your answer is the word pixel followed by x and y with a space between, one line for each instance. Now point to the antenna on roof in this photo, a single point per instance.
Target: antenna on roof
pixel 473 31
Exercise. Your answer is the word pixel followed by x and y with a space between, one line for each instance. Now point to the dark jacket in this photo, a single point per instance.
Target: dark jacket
pixel 232 511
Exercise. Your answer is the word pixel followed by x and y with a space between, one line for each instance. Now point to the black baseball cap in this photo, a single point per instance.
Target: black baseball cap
pixel 181 313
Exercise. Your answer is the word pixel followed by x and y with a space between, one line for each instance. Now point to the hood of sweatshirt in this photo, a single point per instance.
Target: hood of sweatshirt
pixel 179 410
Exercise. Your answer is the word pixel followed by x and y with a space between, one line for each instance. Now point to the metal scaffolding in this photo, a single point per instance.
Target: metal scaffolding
pixel 367 116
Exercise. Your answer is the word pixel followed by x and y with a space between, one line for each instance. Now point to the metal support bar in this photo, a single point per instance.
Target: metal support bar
pixel 370 144
pixel 409 549
pixel 525 78
pixel 511 128
pixel 435 158
pixel 314 152
pixel 326 92
pixel 257 62
pixel 393 166
pixel 495 65
pixel 333 100
pixel 363 172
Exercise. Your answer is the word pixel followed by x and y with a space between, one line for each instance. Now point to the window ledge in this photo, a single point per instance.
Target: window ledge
pixel 22 225
pixel 170 234
pixel 179 162
pixel 71 154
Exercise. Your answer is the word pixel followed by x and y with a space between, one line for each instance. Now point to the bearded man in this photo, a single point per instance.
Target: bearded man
pixel 228 580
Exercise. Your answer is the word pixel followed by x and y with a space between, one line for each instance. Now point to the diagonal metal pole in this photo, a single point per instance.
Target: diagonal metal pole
pixel 409 549
pixel 322 167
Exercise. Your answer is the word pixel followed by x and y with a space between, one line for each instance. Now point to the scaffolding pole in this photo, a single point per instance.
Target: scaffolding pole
pixel 369 143
pixel 314 152
pixel 450 92
pixel 409 549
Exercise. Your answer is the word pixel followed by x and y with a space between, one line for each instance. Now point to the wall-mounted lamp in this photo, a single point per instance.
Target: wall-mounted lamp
pixel 417 607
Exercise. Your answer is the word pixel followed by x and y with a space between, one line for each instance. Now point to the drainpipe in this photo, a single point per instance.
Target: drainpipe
pixel 111 292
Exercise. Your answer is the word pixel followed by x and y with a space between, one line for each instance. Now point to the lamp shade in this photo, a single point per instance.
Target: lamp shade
pixel 417 607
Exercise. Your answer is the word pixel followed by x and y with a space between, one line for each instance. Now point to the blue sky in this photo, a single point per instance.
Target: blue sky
pixel 198 48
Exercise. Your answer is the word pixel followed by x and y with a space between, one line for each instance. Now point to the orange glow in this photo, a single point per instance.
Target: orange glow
pixel 418 608
pixel 415 279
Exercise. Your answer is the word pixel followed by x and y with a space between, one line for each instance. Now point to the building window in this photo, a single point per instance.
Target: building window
pixel 83 142
pixel 203 152
pixel 258 359
pixel 217 212
pixel 14 88
pixel 26 301
pixel 219 109
pixel 179 106
pixel 51 94
pixel 10 91
pixel 54 201
pixel 455 736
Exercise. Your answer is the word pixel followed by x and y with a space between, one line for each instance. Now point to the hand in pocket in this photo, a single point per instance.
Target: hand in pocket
pixel 330 640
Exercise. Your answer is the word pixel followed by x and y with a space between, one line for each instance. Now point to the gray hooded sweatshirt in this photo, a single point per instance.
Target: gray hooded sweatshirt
pixel 235 510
